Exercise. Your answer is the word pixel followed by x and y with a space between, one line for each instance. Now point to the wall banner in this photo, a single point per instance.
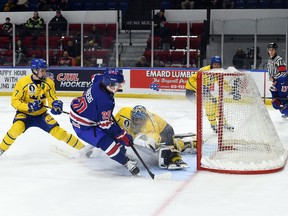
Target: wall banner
pixel 72 80
pixel 160 80
pixel 10 76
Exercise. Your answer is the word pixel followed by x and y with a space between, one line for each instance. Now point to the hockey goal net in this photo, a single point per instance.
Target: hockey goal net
pixel 243 139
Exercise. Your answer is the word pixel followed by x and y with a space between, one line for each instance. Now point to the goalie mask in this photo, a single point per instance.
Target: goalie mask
pixel 138 117
pixel 38 66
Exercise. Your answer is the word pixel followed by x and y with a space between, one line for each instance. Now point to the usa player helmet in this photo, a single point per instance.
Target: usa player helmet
pixel 37 64
pixel 112 76
pixel 138 117
pixel 272 45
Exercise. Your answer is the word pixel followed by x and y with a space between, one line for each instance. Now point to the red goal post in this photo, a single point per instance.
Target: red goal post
pixel 246 141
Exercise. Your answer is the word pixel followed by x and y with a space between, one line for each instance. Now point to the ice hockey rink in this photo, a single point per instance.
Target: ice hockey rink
pixel 34 180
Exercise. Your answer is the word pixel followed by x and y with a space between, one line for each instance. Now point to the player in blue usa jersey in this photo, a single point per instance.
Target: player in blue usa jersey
pixel 279 91
pixel 92 120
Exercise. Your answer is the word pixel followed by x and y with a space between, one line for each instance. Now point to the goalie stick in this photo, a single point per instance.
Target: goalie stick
pixel 190 134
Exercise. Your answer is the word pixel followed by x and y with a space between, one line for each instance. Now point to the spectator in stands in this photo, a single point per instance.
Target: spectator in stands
pixel 239 59
pixel 58 25
pixel 35 25
pixel 165 34
pixel 158 19
pixel 7 28
pixel 228 4
pixel 21 5
pixel 142 62
pixel 187 4
pixel 61 5
pixel 44 5
pixel 71 48
pixel 158 62
pixel 20 53
pixel 250 58
pixel 91 45
pixel 66 60
pixel 95 35
pixel 9 6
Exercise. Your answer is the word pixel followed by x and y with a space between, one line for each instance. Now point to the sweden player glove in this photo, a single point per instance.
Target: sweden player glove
pixel 57 107
pixel 125 138
pixel 34 106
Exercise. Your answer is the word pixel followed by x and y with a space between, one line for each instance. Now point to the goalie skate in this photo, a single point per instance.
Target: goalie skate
pixel 178 164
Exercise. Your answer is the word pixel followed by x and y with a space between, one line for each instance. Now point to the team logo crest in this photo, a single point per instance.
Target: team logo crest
pixel 32 88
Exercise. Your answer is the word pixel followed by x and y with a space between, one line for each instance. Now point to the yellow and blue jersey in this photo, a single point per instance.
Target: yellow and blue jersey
pixel 27 90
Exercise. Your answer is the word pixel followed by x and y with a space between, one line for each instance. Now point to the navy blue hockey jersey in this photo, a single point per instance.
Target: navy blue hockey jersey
pixel 95 108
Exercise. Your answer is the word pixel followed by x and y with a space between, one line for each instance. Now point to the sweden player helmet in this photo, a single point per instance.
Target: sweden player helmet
pixel 36 65
pixel 216 59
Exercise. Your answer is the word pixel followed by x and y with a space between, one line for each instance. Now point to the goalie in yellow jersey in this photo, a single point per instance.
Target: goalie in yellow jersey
pixel 210 102
pixel 29 98
pixel 152 134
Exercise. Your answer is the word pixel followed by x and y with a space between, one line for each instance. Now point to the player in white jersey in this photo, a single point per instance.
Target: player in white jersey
pixel 276 65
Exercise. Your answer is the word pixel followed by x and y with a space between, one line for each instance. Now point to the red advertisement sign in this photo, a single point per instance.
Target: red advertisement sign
pixel 157 79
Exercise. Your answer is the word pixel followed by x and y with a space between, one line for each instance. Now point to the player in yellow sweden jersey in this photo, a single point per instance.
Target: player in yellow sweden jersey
pixel 210 104
pixel 30 96
pixel 153 134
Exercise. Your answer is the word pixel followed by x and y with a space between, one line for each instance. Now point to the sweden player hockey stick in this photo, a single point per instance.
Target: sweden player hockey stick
pixel 61 111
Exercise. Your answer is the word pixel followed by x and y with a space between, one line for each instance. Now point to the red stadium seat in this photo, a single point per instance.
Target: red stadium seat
pixel 180 43
pixel 195 42
pixel 147 54
pixel 107 42
pixel 177 57
pixel 41 42
pixel 34 53
pixel 162 55
pixel 197 28
pixel 173 27
pixel 4 42
pixel 182 29
pixel 54 42
pixel 111 30
pixel 157 42
pixel 74 28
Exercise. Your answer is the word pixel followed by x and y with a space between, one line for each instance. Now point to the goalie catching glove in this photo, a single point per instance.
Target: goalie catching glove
pixel 125 138
pixel 57 107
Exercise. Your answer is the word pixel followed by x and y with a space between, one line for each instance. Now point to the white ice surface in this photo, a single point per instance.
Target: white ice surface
pixel 35 181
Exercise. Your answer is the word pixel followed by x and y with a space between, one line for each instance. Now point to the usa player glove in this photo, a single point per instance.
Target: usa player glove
pixel 34 106
pixel 57 107
pixel 125 138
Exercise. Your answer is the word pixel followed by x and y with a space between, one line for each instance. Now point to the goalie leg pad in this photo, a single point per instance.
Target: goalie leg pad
pixel 164 157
